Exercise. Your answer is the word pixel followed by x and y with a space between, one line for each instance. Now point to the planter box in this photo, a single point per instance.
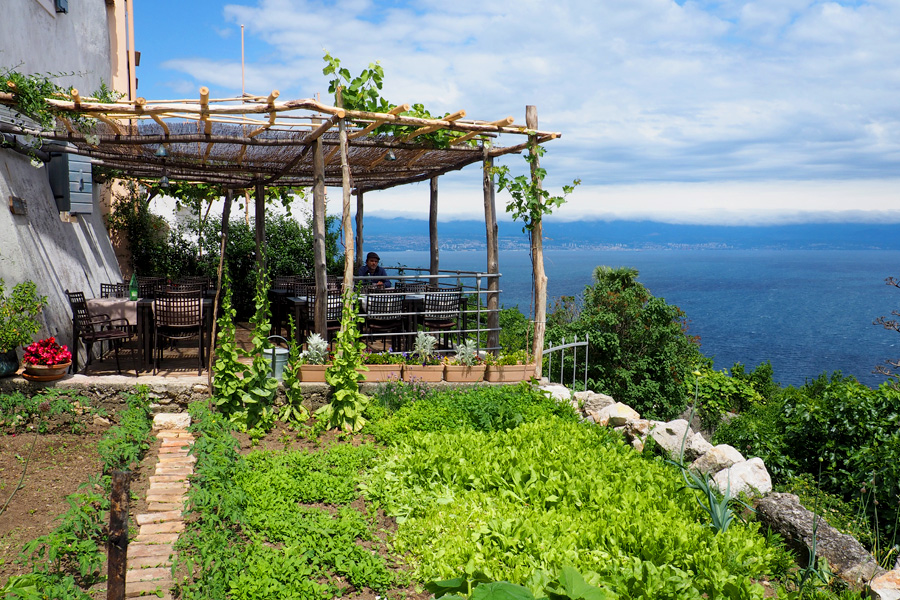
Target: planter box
pixel 383 372
pixel 463 373
pixel 426 373
pixel 312 373
pixel 507 373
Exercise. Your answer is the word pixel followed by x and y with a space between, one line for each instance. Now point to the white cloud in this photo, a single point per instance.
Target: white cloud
pixel 724 94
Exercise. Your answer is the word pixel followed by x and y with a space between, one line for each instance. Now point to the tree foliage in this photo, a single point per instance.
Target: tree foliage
pixel 639 352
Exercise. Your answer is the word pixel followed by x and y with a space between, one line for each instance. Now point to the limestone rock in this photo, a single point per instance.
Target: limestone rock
pixel 172 421
pixel 847 558
pixel 101 421
pixel 886 587
pixel 720 457
pixel 593 402
pixel 558 392
pixel 696 447
pixel 637 444
pixel 669 435
pixel 749 477
pixel 616 415
pixel 637 429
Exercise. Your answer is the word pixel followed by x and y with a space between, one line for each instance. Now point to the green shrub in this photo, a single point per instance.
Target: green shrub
pixel 639 351
pixel 718 394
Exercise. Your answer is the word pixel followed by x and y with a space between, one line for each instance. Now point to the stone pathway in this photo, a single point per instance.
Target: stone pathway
pixel 150 554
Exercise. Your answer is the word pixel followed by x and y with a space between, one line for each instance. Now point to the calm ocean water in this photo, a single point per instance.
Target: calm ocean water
pixel 806 311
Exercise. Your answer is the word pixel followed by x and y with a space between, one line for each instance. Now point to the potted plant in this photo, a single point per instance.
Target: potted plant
pixel 423 364
pixel 383 366
pixel 508 367
pixel 46 360
pixel 466 366
pixel 19 314
pixel 312 360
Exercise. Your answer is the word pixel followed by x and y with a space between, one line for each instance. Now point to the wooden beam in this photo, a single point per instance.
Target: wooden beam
pixel 345 209
pixel 204 110
pixel 374 124
pixel 493 251
pixel 469 136
pixel 434 247
pixel 318 226
pixel 430 128
pixel 359 229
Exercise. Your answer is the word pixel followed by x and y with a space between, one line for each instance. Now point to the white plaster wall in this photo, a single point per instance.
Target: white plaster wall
pixel 32 40
pixel 39 246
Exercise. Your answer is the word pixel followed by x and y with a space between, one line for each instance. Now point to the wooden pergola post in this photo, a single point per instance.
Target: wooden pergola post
pixel 433 228
pixel 359 229
pixel 537 250
pixel 321 305
pixel 260 204
pixel 493 252
pixel 345 211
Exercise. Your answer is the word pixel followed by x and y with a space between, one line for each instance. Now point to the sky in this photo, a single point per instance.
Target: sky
pixel 729 112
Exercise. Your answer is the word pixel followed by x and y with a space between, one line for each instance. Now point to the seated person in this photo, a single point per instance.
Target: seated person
pixel 373 269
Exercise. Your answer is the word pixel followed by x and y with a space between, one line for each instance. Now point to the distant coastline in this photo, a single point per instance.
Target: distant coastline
pixel 412 234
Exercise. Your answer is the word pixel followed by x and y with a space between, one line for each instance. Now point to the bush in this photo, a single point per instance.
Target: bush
pixel 639 352
pixel 718 394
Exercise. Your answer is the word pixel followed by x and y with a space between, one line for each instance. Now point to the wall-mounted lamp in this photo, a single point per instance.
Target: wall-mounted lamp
pixel 391 155
pixel 161 152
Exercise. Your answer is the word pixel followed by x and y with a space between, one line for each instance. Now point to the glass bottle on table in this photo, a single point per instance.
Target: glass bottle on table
pixel 133 288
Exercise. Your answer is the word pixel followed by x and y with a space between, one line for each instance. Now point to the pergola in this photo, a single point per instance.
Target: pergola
pixel 258 141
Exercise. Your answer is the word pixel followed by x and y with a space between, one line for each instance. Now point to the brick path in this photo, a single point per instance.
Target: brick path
pixel 150 553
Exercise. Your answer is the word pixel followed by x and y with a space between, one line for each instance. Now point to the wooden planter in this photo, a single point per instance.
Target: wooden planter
pixel 311 373
pixel 463 373
pixel 507 373
pixel 383 372
pixel 426 373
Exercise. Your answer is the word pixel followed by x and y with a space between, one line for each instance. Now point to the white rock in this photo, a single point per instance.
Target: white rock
pixel 592 401
pixel 616 415
pixel 670 435
pixel 749 477
pixel 720 457
pixel 172 421
pixel 637 429
pixel 886 587
pixel 558 392
pixel 101 421
pixel 696 447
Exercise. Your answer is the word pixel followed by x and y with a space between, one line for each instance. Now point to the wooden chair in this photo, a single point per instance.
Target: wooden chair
pixel 384 315
pixel 113 290
pixel 442 312
pixel 178 316
pixel 97 328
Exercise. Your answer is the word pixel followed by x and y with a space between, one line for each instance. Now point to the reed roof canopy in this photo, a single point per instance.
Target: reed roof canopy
pixel 257 140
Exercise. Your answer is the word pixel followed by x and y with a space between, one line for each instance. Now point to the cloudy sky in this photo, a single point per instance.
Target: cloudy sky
pixel 735 111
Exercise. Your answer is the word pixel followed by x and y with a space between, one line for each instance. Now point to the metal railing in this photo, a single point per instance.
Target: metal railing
pixel 561 348
pixel 471 319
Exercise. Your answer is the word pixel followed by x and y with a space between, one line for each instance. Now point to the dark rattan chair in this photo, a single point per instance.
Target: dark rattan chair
pixel 149 287
pixel 384 315
pixel 97 328
pixel 113 290
pixel 178 316
pixel 442 313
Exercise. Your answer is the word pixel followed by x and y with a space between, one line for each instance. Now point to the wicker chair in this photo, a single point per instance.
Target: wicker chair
pixel 442 312
pixel 113 290
pixel 384 315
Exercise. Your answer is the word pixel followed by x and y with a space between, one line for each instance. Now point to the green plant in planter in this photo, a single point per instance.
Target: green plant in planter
pixel 19 315
pixel 423 350
pixel 382 358
pixel 519 357
pixel 466 354
pixel 316 352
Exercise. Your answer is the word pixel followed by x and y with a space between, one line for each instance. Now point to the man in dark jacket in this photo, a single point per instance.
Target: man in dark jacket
pixel 373 269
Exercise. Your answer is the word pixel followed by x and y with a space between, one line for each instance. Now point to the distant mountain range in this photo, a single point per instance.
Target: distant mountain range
pixel 412 234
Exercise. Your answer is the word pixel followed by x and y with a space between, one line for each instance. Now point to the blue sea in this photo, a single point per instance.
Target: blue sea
pixel 807 311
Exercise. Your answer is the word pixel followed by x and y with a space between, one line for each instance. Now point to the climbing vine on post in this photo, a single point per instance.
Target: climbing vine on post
pixel 530 202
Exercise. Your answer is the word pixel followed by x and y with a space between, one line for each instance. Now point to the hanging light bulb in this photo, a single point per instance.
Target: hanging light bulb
pixel 161 152
pixel 164 181
pixel 391 155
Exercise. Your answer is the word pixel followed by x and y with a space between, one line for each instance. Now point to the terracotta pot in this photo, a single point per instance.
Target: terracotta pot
pixel 45 372
pixel 9 363
pixel 311 373
pixel 505 373
pixel 383 372
pixel 426 373
pixel 463 373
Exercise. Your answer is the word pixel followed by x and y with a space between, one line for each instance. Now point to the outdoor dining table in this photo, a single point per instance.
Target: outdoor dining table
pixel 139 314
